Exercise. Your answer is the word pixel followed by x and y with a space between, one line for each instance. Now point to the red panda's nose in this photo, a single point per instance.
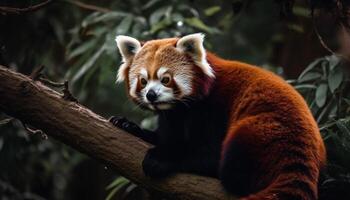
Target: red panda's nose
pixel 151 95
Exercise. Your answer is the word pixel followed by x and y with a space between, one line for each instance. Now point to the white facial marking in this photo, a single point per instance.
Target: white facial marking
pixel 144 73
pixel 164 94
pixel 133 86
pixel 161 71
pixel 184 83
pixel 121 71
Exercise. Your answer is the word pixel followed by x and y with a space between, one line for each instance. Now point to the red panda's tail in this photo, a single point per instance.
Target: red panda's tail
pixel 279 169
pixel 287 188
pixel 294 180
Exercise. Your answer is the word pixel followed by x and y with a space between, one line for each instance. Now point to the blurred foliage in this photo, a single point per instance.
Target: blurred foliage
pixel 77 44
pixel 325 86
pixel 30 163
pixel 92 52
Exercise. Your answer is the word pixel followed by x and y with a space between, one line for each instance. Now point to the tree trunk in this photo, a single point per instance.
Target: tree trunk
pixel 71 123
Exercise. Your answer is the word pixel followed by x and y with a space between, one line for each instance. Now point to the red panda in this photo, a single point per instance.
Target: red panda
pixel 220 118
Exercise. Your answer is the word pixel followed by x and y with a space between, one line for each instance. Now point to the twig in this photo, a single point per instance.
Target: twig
pixel 34 132
pixel 11 10
pixel 320 38
pixel 35 75
pixel 38 75
pixel 66 93
pixel 49 82
pixel 88 6
pixel 323 43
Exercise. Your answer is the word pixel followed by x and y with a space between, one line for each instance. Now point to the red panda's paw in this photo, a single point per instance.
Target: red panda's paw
pixel 155 167
pixel 125 124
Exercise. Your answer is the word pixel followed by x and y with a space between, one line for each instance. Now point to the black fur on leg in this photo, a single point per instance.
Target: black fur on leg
pixel 235 170
pixel 154 165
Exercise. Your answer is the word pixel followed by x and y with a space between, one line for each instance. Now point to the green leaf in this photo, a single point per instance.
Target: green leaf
pixel 98 17
pixel 79 62
pixel 343 128
pixel 88 75
pixel 321 94
pixel 309 77
pixel 82 48
pixel 124 25
pixel 97 31
pixel 325 67
pixel 88 64
pixel 116 186
pixel 323 112
pixel 305 86
pixel 333 60
pixel 330 123
pixel 310 67
pixel 177 17
pixel 150 4
pixel 112 193
pixel 347 101
pixel 137 28
pixel 296 27
pixel 301 11
pixel 90 19
pixel 160 25
pixel 212 10
pixel 158 14
pixel 188 9
pixel 335 78
pixel 197 23
pixel 116 182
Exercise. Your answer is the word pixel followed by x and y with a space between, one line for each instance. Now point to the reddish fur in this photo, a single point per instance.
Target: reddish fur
pixel 255 98
pixel 267 118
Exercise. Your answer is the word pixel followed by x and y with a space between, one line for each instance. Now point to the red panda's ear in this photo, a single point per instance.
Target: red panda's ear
pixel 193 46
pixel 128 47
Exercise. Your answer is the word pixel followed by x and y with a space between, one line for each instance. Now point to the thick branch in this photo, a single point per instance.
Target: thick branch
pixel 77 126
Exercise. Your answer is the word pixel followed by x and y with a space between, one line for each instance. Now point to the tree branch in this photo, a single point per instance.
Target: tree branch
pixel 11 10
pixel 71 123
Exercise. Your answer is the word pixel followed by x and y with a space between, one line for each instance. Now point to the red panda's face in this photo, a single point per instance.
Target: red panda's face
pixel 163 73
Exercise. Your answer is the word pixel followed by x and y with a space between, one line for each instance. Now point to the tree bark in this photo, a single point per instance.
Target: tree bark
pixel 73 124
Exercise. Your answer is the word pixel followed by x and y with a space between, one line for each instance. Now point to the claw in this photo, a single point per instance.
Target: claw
pixel 125 124
pixel 117 120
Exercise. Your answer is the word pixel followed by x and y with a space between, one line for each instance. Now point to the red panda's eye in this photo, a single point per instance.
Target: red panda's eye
pixel 165 80
pixel 143 82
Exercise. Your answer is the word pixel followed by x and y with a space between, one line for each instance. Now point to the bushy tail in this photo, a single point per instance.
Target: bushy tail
pixel 288 187
pixel 293 180
pixel 284 171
